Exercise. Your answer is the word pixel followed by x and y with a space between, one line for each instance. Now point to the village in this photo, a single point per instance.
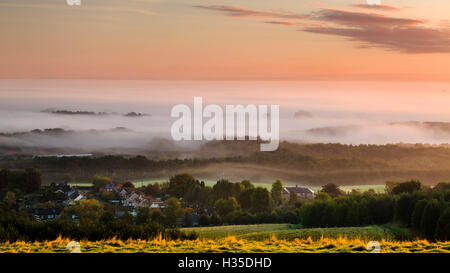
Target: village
pixel 126 199
pixel 121 197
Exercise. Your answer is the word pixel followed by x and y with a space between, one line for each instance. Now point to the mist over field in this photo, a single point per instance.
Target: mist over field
pixel 310 112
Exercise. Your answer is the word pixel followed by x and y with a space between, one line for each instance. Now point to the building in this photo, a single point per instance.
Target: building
pixel 302 192
pixel 41 214
pixel 62 155
pixel 111 186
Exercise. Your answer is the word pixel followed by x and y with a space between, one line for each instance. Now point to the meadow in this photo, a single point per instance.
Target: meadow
pixel 290 232
pixel 378 188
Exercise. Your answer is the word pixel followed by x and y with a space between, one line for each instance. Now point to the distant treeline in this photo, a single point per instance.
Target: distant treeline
pixel 314 163
pixel 91 113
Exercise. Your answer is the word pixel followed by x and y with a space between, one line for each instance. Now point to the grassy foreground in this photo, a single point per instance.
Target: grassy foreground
pixel 273 238
pixel 228 244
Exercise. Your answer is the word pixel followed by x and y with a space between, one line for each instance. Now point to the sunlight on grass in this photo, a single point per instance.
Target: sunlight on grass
pixel 228 244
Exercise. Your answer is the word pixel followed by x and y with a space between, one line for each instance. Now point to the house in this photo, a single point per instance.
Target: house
pixel 302 192
pixel 74 195
pixel 62 155
pixel 63 188
pixel 111 186
pixel 132 198
pixel 41 214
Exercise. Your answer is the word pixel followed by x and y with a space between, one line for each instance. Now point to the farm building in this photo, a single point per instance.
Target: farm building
pixel 302 192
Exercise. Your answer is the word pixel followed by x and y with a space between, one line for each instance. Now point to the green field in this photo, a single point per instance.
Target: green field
pixel 290 232
pixel 362 188
pixel 140 183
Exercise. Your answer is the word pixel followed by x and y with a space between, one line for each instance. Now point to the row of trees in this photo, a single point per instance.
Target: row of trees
pixel 225 197
pixel 426 213
pixel 20 181
pixel 424 209
pixel 93 221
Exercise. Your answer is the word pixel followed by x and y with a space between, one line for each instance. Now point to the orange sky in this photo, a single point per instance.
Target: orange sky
pixel 226 39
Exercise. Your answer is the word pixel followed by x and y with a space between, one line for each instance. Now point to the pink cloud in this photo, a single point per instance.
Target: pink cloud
pixel 378 7
pixel 366 29
pixel 236 11
pixel 374 30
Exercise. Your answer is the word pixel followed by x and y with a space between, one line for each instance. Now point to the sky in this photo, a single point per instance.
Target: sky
pixel 332 40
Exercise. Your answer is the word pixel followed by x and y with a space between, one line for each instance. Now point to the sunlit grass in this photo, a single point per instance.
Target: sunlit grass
pixel 229 244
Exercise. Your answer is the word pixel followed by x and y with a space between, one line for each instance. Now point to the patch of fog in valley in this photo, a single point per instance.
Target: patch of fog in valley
pixel 310 112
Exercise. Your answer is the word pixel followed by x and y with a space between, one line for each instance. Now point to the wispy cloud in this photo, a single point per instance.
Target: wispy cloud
pixel 367 29
pixel 374 30
pixel 236 11
pixel 378 7
pixel 354 19
pixel 281 23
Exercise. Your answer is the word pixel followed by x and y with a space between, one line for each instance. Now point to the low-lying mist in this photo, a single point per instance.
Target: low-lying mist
pixel 311 112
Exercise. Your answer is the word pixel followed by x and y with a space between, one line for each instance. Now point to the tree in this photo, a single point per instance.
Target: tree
pixel 332 190
pixel 34 180
pixel 157 216
pixel 292 198
pixel 87 211
pixel 144 216
pixel 245 198
pixel 26 181
pixel 443 226
pixel 180 184
pixel 4 174
pixel 203 220
pixel 277 192
pixel 128 185
pixel 205 197
pixel 323 196
pixel 225 189
pixel 261 200
pixel 215 219
pixel 225 207
pixel 152 190
pixel 430 218
pixel 99 182
pixel 407 187
pixel 443 186
pixel 126 218
pixel 416 217
pixel 247 184
pixel 404 208
pixel 390 185
pixel 10 199
pixel 172 211
pixel 107 217
pixel 187 221
pixel 192 195
pixel 108 196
